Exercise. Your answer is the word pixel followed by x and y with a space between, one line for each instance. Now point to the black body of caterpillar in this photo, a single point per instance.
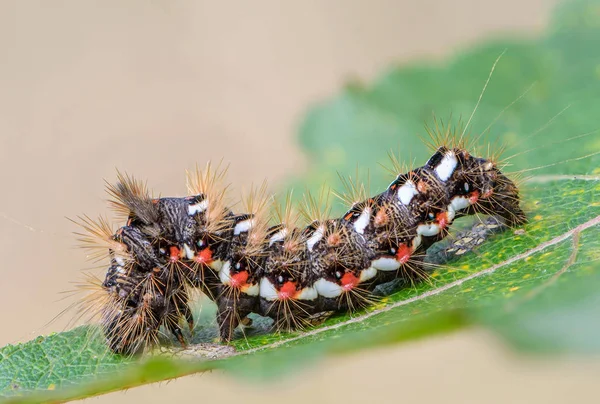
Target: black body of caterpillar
pixel 172 245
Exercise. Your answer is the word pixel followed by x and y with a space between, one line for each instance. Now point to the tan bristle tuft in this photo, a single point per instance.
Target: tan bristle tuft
pixel 450 136
pixel 354 190
pixel 98 238
pixel 284 212
pixel 256 202
pixel 124 192
pixel 334 239
pixel 316 208
pixel 394 166
pixel 382 218
pixel 94 299
pixel 210 182
pixel 495 152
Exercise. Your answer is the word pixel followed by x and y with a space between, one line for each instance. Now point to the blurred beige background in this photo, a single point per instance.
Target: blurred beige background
pixel 153 87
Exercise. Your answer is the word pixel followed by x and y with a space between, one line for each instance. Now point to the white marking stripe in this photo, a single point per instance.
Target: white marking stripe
pixel 367 274
pixel 416 243
pixel 280 235
pixel 198 208
pixel 315 238
pixel 385 264
pixel 406 192
pixel 460 203
pixel 251 290
pixel 188 252
pixel 328 289
pixel 216 265
pixel 450 213
pixel 428 230
pixel 267 290
pixel 446 167
pixel 243 226
pixel 308 293
pixel 224 274
pixel 363 221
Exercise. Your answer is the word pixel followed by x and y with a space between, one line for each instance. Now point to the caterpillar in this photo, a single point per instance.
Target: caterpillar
pixel 289 272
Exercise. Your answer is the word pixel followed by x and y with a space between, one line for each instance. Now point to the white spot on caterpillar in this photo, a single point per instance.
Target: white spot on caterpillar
pixel 243 227
pixel 363 221
pixel 315 238
pixel 450 213
pixel 367 274
pixel 225 274
pixel 460 203
pixel 267 290
pixel 308 293
pixel 385 264
pixel 279 236
pixel 428 230
pixel 416 243
pixel 326 288
pixel 188 252
pixel 457 203
pixel 216 265
pixel 198 207
pixel 406 192
pixel 250 290
pixel 446 167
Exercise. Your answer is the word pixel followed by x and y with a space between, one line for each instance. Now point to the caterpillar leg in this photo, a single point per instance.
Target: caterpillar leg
pixel 231 312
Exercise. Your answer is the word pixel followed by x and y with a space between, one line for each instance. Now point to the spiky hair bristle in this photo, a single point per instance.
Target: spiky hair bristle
pixel 316 208
pixel 98 238
pixel 354 189
pixel 450 135
pixel 395 165
pixel 257 202
pixel 284 212
pixel 130 196
pixel 210 182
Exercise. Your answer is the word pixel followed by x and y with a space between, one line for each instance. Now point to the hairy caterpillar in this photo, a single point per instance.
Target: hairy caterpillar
pixel 170 246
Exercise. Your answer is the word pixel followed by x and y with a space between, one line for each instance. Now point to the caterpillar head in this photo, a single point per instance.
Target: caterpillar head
pixel 476 185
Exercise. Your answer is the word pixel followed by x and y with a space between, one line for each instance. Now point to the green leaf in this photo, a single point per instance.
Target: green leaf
pixel 538 286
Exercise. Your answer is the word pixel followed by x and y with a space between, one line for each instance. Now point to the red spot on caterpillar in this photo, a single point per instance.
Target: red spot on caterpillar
pixel 381 218
pixel 174 253
pixel 403 253
pixel 287 291
pixel 348 216
pixel 204 256
pixel 238 280
pixel 487 193
pixel 474 197
pixel 442 219
pixel 349 281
